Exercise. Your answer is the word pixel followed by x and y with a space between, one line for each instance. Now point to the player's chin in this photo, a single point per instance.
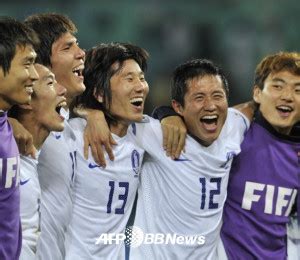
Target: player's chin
pixel 57 127
pixel 78 87
pixel 137 117
pixel 283 122
pixel 24 99
pixel 56 124
pixel 208 137
pixel 284 127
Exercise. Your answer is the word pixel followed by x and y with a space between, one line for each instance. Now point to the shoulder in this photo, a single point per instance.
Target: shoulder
pixel 73 130
pixel 77 124
pixel 237 119
pixel 235 126
pixel 28 168
pixel 27 160
pixel 146 130
pixel 148 122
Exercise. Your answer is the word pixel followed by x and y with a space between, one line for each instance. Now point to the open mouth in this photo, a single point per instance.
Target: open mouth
pixel 285 110
pixel 77 71
pixel 209 122
pixel 213 119
pixel 59 106
pixel 138 101
pixel 29 89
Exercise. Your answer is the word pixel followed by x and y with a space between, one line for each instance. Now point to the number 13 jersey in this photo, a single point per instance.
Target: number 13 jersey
pixel 103 199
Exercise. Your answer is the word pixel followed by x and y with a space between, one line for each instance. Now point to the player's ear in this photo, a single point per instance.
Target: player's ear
pixel 177 107
pixel 98 97
pixel 256 94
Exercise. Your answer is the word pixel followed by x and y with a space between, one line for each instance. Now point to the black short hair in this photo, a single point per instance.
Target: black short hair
pixel 190 70
pixel 12 34
pixel 49 27
pixel 98 72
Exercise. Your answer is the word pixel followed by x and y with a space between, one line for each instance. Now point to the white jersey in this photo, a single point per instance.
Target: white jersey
pixel 57 169
pixel 30 197
pixel 183 199
pixel 103 198
pixel 293 235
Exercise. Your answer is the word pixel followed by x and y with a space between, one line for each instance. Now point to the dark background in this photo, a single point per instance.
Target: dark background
pixel 234 34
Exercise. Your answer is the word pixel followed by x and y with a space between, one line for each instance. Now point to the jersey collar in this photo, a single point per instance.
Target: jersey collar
pixel 259 119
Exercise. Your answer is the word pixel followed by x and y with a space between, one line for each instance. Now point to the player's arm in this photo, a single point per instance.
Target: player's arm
pixel 23 138
pixel 96 134
pixel 174 130
pixel 247 108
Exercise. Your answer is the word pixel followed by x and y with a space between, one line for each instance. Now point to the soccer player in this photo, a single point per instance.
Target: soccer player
pixel 17 78
pixel 104 197
pixel 184 198
pixel 59 51
pixel 39 117
pixel 251 228
pixel 264 179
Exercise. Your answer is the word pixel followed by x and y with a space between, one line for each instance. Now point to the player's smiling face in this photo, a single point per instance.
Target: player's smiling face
pixel 17 84
pixel 47 99
pixel 67 61
pixel 205 108
pixel 129 90
pixel 279 100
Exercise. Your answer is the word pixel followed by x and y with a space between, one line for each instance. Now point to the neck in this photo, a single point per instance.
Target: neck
pixel 119 129
pixel 5 106
pixel 284 131
pixel 38 132
pixel 69 101
pixel 203 143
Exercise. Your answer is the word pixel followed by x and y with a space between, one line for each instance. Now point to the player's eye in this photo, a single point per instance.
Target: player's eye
pixel 277 87
pixel 218 96
pixel 50 83
pixel 199 98
pixel 67 47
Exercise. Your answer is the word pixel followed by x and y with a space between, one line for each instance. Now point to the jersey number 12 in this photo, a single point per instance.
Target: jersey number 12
pixel 212 193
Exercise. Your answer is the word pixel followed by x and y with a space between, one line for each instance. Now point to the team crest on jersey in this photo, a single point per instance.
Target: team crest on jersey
pixel 135 162
pixel 229 157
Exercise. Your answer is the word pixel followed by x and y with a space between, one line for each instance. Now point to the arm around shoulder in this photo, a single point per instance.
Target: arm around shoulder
pixel 96 134
pixel 23 138
pixel 247 109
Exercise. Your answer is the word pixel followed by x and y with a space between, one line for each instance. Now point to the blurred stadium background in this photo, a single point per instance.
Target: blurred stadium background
pixel 235 34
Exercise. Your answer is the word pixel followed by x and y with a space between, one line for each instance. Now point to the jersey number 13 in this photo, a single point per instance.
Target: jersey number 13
pixel 122 190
